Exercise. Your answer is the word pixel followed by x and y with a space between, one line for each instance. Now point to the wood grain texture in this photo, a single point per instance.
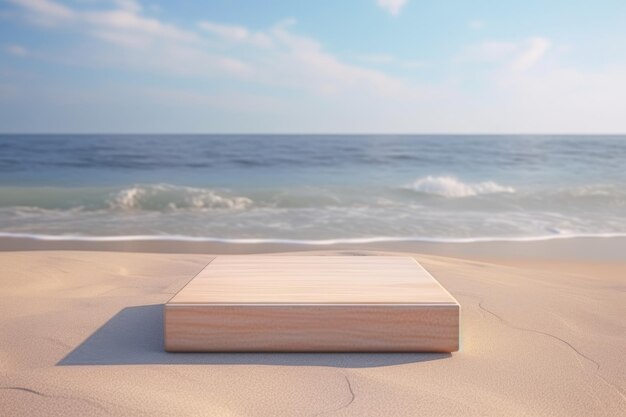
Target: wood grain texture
pixel 312 303
pixel 313 279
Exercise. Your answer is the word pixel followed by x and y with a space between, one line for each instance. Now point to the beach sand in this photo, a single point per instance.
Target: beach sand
pixel 542 335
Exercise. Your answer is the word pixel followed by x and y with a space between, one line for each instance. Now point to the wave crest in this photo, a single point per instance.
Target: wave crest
pixel 451 187
pixel 169 197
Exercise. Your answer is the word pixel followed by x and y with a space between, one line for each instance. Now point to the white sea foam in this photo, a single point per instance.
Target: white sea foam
pixel 314 242
pixel 171 197
pixel 451 187
pixel 128 198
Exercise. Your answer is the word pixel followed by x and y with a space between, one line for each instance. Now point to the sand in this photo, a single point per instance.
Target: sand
pixel 80 334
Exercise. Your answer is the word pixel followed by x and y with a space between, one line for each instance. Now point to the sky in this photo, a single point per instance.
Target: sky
pixel 289 66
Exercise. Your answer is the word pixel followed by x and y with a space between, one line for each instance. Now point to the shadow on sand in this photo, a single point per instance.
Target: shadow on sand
pixel 135 336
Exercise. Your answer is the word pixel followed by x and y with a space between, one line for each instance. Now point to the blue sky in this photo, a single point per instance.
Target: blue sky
pixel 366 66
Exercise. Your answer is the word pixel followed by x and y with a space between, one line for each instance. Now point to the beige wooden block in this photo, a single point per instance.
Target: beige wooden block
pixel 312 304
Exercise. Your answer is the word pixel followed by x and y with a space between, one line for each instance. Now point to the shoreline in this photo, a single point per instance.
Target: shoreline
pixel 599 249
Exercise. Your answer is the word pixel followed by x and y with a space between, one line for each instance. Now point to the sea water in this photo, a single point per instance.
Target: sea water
pixel 312 188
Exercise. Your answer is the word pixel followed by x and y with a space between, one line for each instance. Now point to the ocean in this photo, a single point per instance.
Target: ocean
pixel 312 188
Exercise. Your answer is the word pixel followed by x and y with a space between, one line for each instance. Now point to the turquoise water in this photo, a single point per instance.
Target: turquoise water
pixel 312 188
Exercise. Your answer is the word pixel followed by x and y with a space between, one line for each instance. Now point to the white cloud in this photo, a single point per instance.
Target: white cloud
pixel 231 32
pixel 302 61
pixel 155 45
pixel 127 40
pixel 125 18
pixel 528 90
pixel 523 86
pixel 392 6
pixel 286 23
pixel 45 8
pixel 16 50
pixel 488 51
pixel 515 56
pixel 232 101
pixel 128 5
pixel 276 56
pixel 131 21
pixel 560 99
pixel 236 33
pixel 533 51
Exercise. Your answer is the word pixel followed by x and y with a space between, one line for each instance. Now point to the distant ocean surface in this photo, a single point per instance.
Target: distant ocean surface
pixel 317 189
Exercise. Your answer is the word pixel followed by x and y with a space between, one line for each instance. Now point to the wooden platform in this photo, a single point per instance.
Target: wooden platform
pixel 312 304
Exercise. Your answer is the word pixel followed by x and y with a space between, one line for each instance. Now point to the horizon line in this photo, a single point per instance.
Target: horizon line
pixel 318 133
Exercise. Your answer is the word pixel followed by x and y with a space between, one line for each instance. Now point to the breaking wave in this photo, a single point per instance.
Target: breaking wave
pixel 162 197
pixel 451 187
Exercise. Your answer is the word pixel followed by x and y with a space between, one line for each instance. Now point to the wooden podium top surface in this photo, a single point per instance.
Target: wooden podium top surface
pixel 296 280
